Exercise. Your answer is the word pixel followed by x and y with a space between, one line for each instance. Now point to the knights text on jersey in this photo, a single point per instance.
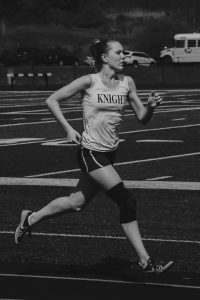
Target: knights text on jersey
pixel 103 111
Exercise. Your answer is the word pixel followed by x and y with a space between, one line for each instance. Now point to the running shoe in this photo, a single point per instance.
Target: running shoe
pixel 155 267
pixel 23 227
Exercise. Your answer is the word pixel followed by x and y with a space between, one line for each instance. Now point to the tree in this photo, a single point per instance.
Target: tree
pixel 189 11
pixel 91 17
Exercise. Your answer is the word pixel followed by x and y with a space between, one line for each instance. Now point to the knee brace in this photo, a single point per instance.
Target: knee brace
pixel 126 202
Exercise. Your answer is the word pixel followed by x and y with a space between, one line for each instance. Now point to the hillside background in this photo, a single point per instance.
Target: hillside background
pixel 143 25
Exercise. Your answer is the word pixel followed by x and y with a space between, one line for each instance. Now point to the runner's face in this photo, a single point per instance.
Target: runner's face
pixel 115 56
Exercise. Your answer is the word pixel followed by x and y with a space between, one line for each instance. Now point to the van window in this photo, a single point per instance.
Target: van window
pixel 191 43
pixel 198 43
pixel 179 43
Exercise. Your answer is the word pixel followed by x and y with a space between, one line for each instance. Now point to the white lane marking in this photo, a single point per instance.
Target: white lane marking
pixel 78 119
pixel 122 163
pixel 28 92
pixel 157 158
pixel 38 181
pixel 163 110
pixel 161 128
pixel 159 178
pixel 27 123
pixel 159 141
pixel 176 110
pixel 107 237
pixel 145 91
pixel 64 142
pixel 179 119
pixel 163 185
pixel 145 283
pixel 36 123
pixel 17 141
pixel 74 107
pixel 72 182
pixel 39 111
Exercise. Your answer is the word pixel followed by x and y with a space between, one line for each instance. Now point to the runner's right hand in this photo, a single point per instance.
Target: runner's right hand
pixel 73 136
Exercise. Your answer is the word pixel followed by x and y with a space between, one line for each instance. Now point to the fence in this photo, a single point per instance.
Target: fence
pixel 183 76
pixel 13 76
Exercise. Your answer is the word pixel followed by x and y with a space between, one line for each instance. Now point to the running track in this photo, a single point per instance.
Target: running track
pixel 33 156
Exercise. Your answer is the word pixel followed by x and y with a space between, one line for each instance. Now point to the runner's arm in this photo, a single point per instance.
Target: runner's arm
pixel 53 103
pixel 142 113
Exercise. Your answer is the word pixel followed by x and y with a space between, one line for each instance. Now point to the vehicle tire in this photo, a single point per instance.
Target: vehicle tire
pixel 152 65
pixel 135 64
pixel 167 60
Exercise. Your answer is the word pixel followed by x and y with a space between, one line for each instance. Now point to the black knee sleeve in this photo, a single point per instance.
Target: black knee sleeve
pixel 126 202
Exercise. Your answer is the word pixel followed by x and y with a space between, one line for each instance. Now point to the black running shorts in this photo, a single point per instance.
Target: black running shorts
pixel 90 160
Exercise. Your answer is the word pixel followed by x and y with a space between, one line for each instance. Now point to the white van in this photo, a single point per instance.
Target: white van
pixel 185 50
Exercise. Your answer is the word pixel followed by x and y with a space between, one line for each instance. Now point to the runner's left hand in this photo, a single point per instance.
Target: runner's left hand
pixel 154 100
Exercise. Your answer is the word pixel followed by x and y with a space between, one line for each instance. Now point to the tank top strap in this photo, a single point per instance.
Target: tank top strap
pixel 94 79
pixel 124 80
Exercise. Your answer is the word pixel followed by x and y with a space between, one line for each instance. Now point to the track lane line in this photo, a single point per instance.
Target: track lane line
pixel 119 164
pixel 111 281
pixel 106 237
pixel 72 182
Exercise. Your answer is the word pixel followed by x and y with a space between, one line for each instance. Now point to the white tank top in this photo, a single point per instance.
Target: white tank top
pixel 103 111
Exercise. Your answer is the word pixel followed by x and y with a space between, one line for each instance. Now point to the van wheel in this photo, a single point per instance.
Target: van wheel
pixel 135 64
pixel 167 60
